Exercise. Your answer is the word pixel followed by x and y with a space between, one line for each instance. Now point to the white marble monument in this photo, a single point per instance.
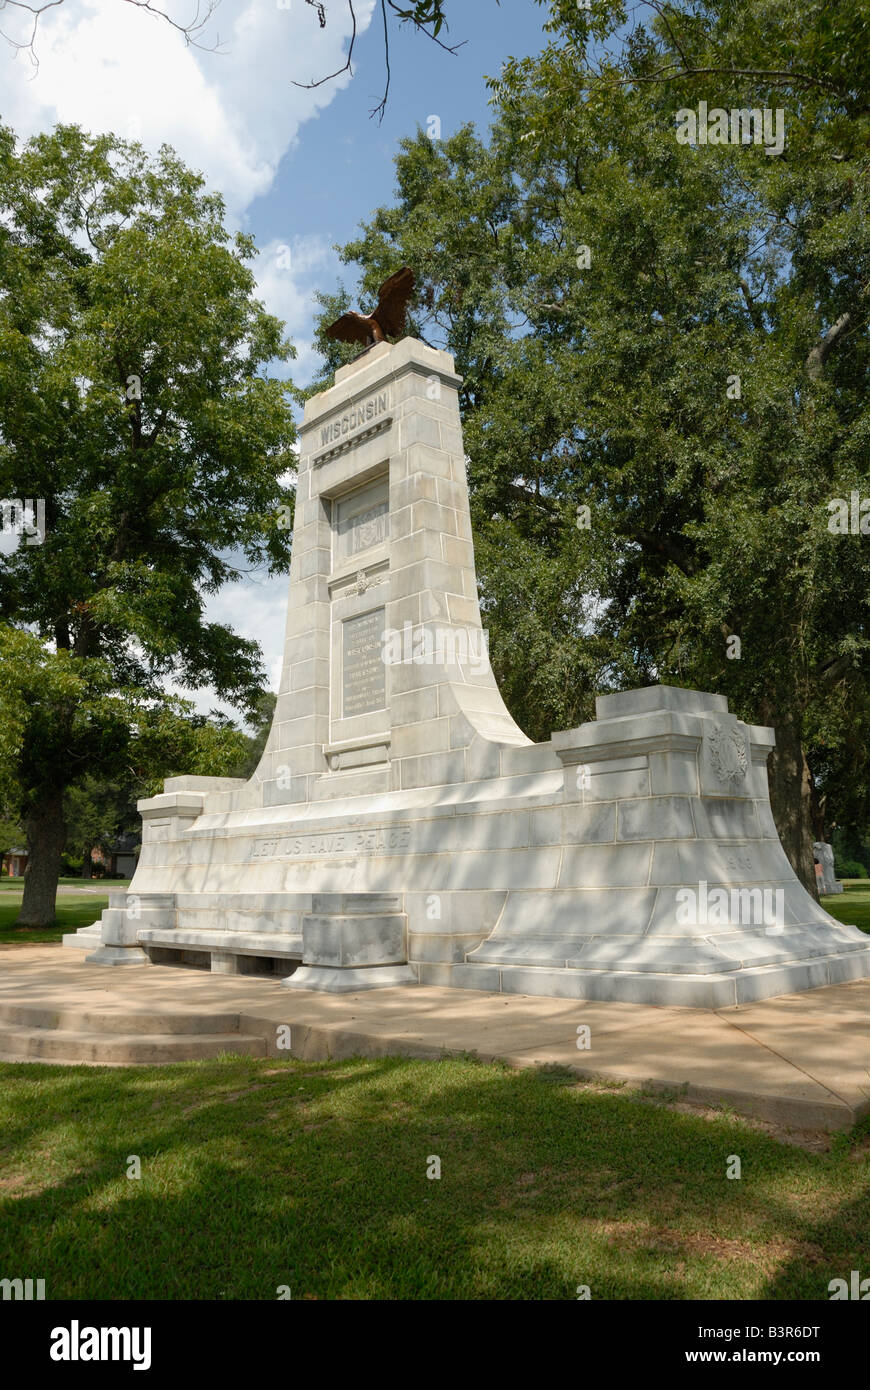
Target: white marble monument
pixel 401 828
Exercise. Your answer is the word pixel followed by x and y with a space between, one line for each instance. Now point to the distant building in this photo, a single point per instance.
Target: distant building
pixel 14 862
pixel 119 859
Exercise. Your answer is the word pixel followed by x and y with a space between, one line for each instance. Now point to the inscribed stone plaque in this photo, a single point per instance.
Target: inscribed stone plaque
pixel 364 685
pixel 361 520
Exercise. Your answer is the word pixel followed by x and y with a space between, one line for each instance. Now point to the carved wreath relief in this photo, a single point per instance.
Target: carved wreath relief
pixel 727 748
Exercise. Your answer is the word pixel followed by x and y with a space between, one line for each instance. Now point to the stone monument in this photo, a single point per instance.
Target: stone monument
pixel 401 828
pixel 830 884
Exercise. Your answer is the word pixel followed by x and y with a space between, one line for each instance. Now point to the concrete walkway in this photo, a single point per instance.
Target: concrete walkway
pixel 802 1060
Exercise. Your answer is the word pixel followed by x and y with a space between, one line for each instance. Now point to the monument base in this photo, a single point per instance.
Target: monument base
pixel 692 991
pixel 632 859
pixel 353 941
pixel 118 955
pixel 334 980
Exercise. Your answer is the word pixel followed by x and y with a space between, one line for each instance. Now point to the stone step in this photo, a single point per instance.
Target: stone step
pixel 350 980
pixel 130 1023
pixel 724 953
pixel 85 939
pixel 99 1049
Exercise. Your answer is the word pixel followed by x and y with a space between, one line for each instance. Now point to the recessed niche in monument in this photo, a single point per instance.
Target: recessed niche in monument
pixel 360 521
pixel 363 673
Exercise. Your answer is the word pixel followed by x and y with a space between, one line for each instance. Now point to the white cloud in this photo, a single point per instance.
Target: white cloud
pixel 110 66
pixel 287 274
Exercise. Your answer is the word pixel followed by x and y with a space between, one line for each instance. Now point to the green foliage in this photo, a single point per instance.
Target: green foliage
pixel 131 399
pixel 848 844
pixel 11 835
pixel 849 868
pixel 423 12
pixel 97 813
pixel 64 716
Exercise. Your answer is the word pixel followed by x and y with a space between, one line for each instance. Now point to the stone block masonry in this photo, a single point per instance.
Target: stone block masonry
pixel 401 829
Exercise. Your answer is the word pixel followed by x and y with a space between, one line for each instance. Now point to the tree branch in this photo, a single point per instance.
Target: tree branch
pixel 668 74
pixel 421 23
pixel 346 67
pixel 404 15
pixel 754 311
pixel 663 17
pixel 382 104
pixel 815 363
pixel 195 27
pixel 830 672
pixel 188 30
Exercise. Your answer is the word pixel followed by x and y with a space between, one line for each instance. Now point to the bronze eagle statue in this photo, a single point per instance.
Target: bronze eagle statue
pixel 388 319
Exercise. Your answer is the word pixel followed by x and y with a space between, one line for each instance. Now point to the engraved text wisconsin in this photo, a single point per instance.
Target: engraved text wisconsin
pixel 355 419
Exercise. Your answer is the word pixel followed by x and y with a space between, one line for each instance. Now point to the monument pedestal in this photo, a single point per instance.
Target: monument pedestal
pixel 401 828
pixel 353 941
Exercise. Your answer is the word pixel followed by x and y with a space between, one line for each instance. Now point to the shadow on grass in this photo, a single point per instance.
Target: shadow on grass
pixel 257 1174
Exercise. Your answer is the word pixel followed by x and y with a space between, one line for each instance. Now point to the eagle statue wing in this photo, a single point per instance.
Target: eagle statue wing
pixel 393 299
pixel 350 328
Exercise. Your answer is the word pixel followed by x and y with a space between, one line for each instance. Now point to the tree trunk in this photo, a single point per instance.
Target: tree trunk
pixel 46 837
pixel 791 801
pixel 819 813
pixel 87 863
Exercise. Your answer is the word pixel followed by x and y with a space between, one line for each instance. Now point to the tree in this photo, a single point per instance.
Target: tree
pixel 99 811
pixel 96 814
pixel 134 405
pixel 665 354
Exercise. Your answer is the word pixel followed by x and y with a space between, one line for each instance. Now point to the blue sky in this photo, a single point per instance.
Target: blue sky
pixel 358 152
pixel 298 169
pixel 341 165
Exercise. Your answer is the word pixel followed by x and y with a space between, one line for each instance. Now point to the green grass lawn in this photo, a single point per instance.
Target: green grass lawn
pixel 853 904
pixel 73 911
pixel 257 1174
